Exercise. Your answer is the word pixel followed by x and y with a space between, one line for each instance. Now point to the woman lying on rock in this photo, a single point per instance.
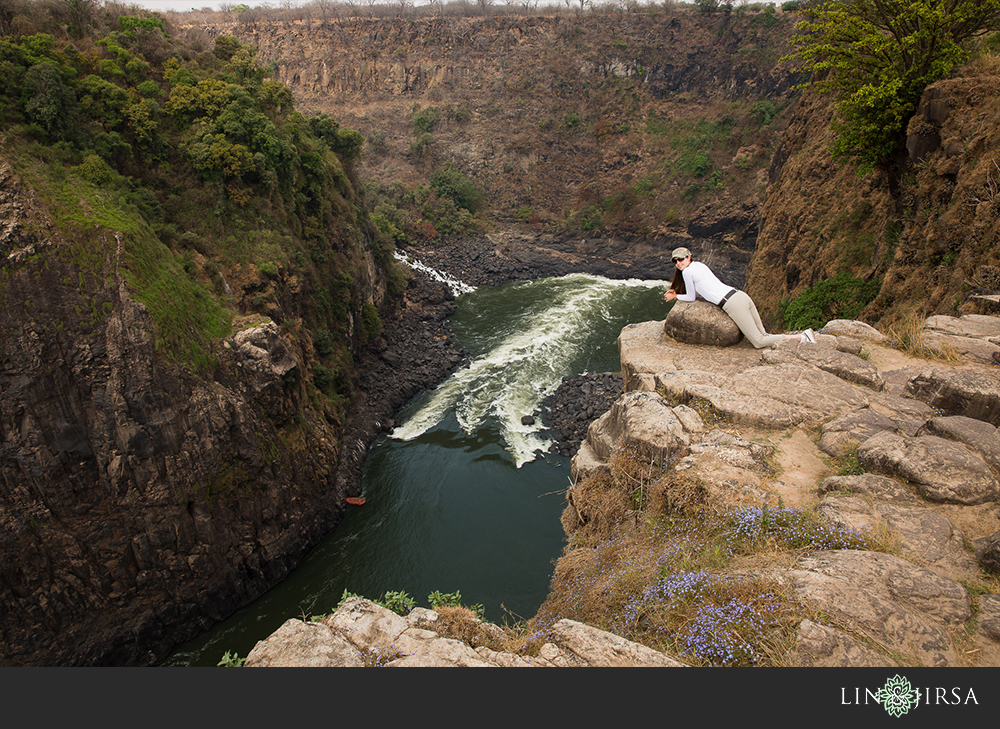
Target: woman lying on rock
pixel 693 279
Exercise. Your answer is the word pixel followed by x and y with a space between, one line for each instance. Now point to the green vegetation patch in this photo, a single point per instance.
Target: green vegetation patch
pixel 841 297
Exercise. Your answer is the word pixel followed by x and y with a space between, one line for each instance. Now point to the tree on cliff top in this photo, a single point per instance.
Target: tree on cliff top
pixel 878 56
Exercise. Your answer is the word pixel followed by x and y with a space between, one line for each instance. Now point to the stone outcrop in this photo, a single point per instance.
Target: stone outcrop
pixel 884 608
pixel 362 633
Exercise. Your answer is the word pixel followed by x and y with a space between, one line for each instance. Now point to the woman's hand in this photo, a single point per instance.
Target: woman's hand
pixel 670 295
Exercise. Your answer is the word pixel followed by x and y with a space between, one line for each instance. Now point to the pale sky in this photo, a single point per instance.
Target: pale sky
pixel 178 5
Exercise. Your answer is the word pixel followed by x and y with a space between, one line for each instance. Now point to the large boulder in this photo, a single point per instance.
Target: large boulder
pixel 988 553
pixel 640 421
pixel 698 322
pixel 304 644
pixel 576 644
pixel 943 470
pixel 842 435
pixel 978 435
pixel 853 329
pixel 973 393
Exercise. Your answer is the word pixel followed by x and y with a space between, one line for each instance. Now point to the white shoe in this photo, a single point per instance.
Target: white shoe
pixel 810 336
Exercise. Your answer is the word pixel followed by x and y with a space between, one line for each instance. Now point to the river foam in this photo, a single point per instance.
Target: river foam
pixel 521 357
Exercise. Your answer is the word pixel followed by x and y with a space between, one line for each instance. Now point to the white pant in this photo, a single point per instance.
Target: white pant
pixel 743 311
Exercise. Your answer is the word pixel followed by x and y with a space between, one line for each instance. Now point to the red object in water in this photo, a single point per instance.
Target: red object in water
pixel 356 500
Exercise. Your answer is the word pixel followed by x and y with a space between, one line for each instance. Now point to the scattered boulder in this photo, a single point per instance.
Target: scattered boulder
pixel 844 434
pixel 973 393
pixel 854 329
pixel 989 616
pixel 699 322
pixel 988 553
pixel 943 470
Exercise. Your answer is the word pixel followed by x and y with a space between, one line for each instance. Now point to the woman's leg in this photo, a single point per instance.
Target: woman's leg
pixel 743 311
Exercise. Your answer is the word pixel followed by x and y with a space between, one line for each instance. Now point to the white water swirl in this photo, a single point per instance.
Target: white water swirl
pixel 523 366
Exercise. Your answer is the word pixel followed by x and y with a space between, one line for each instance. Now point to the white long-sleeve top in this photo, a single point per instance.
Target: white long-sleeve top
pixel 700 281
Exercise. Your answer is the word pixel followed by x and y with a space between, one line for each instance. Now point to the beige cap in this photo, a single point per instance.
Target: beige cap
pixel 681 253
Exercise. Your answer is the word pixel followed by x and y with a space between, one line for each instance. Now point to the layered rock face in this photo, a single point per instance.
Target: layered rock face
pixel 544 112
pixel 142 503
pixel 925 227
pixel 144 500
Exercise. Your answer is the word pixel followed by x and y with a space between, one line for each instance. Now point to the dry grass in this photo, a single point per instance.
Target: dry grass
pixel 659 558
pixel 907 335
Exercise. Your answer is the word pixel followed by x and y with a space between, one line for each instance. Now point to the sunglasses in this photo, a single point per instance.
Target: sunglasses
pixel 679 259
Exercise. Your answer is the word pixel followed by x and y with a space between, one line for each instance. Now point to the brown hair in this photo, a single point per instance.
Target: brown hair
pixel 677 284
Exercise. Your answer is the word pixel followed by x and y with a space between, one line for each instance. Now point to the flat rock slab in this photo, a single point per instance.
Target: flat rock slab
pixel 846 366
pixel 873 486
pixel 942 470
pixel 924 537
pixel 844 434
pixel 908 414
pixel 972 393
pixel 907 610
pixel 822 646
pixel 976 326
pixel 795 394
pixel 970 349
pixel 643 349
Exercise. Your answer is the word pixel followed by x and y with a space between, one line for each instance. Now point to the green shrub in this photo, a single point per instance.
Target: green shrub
pixel 841 297
pixel 448 182
pixel 425 119
pixel 95 171
pixel 371 322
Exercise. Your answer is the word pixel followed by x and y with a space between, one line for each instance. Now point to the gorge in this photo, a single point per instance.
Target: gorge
pixel 145 500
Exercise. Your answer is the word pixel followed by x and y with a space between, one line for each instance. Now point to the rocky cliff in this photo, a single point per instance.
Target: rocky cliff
pixel 756 433
pixel 144 499
pixel 639 123
pixel 925 228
